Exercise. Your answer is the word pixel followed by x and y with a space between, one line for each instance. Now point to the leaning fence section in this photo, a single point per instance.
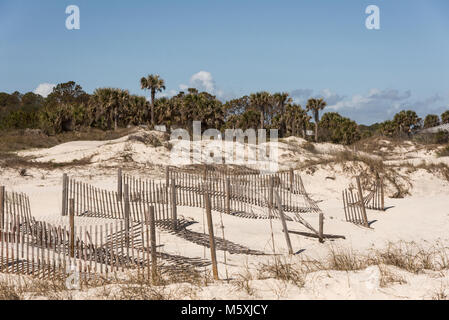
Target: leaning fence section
pixel 375 199
pixel 355 202
pixel 354 208
pixel 354 205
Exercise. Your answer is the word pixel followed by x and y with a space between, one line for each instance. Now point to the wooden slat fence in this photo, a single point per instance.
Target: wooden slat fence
pixel 14 203
pixel 375 199
pixel 43 250
pixel 355 203
pixel 232 194
pixel 288 180
pixel 94 202
pixel 354 208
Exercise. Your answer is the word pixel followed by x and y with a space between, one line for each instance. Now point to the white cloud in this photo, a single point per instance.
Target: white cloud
pixel 379 105
pixel 302 93
pixel 183 87
pixel 44 89
pixel 204 81
pixel 331 98
pixel 167 94
pixel 375 98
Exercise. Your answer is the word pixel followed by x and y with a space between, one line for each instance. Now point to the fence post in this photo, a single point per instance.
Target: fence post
pixel 72 227
pixel 284 224
pixel 210 226
pixel 2 207
pixel 270 193
pixel 167 175
pixel 119 184
pixel 321 228
pixel 205 173
pixel 64 194
pixel 292 179
pixel 228 196
pixel 382 195
pixel 127 209
pixel 151 221
pixel 174 212
pixel 362 202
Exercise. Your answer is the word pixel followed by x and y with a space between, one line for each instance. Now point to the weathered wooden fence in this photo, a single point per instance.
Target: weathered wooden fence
pixel 355 203
pixel 98 203
pixel 354 206
pixel 14 203
pixel 232 194
pixel 39 249
pixel 375 200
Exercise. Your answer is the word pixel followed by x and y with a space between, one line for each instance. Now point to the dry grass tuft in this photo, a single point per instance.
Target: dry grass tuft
pixel 10 291
pixel 388 277
pixel 243 281
pixel 346 260
pixel 283 270
pixel 442 294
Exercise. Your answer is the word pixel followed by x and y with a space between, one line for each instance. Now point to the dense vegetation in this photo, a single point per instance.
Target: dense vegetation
pixel 69 108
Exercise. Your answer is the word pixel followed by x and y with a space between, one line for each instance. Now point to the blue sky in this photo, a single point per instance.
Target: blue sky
pixel 231 48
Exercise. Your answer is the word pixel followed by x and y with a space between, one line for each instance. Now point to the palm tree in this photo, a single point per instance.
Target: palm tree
pixel 280 101
pixel 445 117
pixel 155 84
pixel 431 120
pixel 407 122
pixel 101 107
pixel 122 103
pixel 135 110
pixel 295 118
pixel 315 105
pixel 261 101
pixel 108 105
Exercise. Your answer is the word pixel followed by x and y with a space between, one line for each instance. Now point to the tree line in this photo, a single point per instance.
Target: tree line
pixel 69 108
